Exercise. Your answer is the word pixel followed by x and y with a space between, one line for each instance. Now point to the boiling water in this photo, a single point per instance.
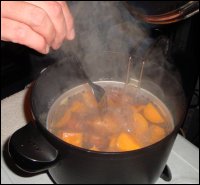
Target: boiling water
pixel 74 118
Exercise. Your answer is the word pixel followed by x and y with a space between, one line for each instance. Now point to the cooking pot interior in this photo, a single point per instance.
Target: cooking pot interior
pixel 63 76
pixel 85 119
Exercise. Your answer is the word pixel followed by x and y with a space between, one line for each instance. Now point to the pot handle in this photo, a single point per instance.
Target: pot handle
pixel 30 150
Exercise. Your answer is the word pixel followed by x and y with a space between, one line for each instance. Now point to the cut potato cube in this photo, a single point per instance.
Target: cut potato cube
pixel 63 120
pixel 94 148
pixel 73 138
pixel 112 144
pixel 156 133
pixel 152 114
pixel 137 108
pixel 140 108
pixel 140 123
pixel 125 142
pixel 77 106
pixel 89 99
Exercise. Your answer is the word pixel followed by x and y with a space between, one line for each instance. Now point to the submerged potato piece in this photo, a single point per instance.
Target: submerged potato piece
pixel 141 125
pixel 93 140
pixel 105 125
pixel 111 123
pixel 89 99
pixel 74 124
pixel 125 142
pixel 152 114
pixel 156 133
pixel 94 148
pixel 77 106
pixel 73 138
pixel 140 108
pixel 63 120
pixel 114 100
pixel 137 108
pixel 112 144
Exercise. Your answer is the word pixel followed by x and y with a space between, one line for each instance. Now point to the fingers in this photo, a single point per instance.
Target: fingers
pixel 69 21
pixel 32 16
pixel 49 22
pixel 55 12
pixel 20 33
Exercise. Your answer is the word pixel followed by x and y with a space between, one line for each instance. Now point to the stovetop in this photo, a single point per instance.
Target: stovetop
pixel 183 160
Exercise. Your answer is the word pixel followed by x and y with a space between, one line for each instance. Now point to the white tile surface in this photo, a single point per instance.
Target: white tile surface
pixel 183 160
pixel 182 170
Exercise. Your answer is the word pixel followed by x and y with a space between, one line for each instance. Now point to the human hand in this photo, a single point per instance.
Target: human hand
pixel 36 24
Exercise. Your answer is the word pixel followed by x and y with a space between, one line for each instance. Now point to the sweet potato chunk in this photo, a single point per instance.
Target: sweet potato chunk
pixel 63 120
pixel 92 140
pixel 136 108
pixel 94 148
pixel 152 114
pixel 156 133
pixel 89 99
pixel 74 124
pixel 113 144
pixel 111 123
pixel 73 138
pixel 139 108
pixel 108 124
pixel 77 106
pixel 140 123
pixel 125 142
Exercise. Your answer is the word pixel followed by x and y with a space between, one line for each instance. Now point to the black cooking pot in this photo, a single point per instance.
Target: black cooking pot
pixel 35 149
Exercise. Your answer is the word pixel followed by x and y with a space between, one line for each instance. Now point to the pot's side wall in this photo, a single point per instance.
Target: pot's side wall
pixel 145 167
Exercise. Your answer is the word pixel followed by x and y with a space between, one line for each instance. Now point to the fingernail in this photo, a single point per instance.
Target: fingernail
pixel 57 45
pixel 47 49
pixel 71 34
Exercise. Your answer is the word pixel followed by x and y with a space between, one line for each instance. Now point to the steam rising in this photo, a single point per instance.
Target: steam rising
pixel 104 26
pixel 106 35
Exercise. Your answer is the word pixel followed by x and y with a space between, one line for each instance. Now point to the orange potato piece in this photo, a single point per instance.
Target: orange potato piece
pixel 133 108
pixel 89 99
pixel 94 148
pixel 152 114
pixel 156 133
pixel 114 100
pixel 73 138
pixel 63 120
pixel 141 125
pixel 137 108
pixel 111 123
pixel 125 142
pixel 112 144
pixel 91 139
pixel 111 103
pixel 77 107
pixel 74 124
pixel 105 126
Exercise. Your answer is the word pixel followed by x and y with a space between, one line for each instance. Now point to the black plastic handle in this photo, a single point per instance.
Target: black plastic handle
pixel 31 151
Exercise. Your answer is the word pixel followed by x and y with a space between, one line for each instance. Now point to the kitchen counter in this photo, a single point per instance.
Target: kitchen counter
pixel 15 113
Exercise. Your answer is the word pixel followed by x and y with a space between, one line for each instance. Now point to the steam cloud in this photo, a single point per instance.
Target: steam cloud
pixel 104 26
pixel 106 35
